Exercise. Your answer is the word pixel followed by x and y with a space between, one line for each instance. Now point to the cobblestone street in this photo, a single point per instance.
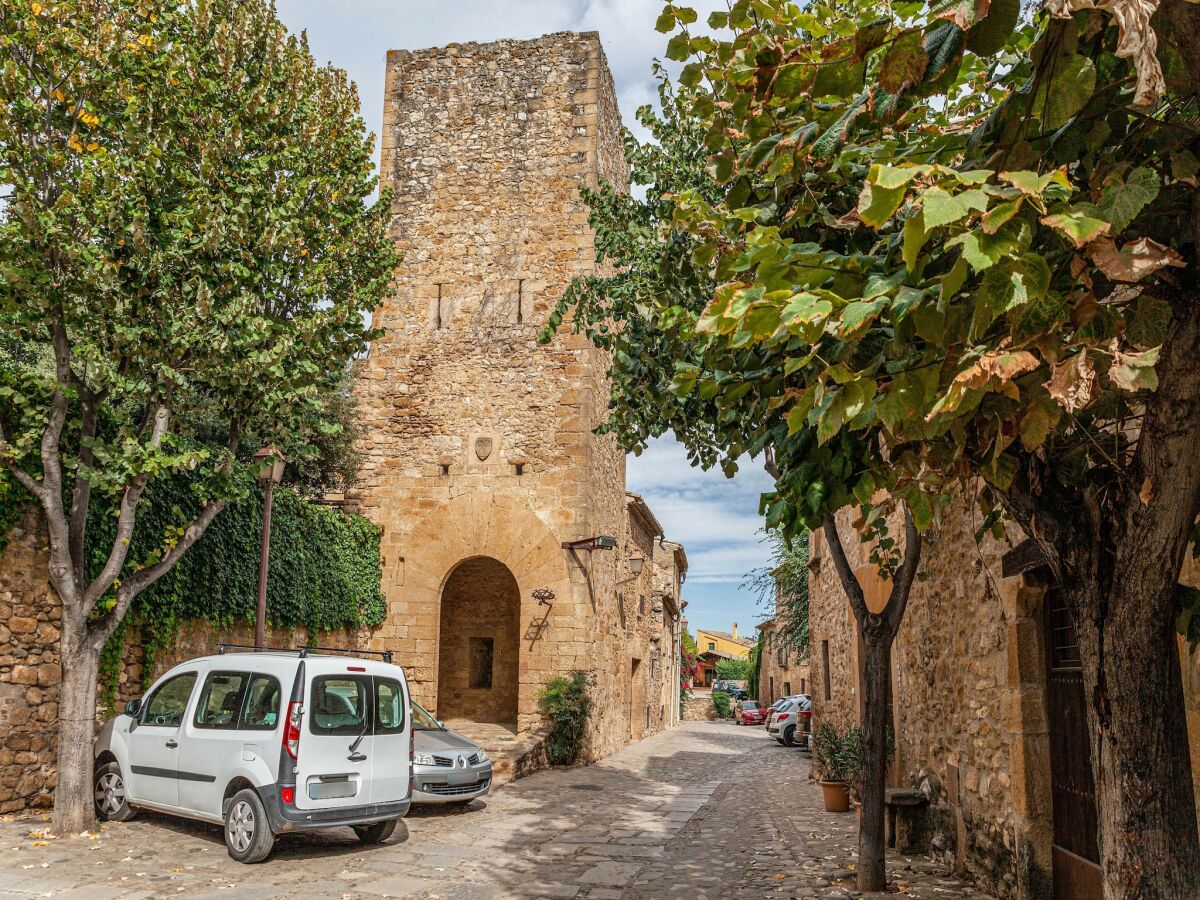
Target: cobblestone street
pixel 705 810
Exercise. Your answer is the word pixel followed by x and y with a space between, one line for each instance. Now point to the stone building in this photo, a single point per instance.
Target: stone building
pixel 512 552
pixel 986 704
pixel 782 670
pixel 714 646
pixel 480 457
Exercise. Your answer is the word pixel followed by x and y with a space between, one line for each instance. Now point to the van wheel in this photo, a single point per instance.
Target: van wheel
pixel 112 802
pixel 248 835
pixel 377 833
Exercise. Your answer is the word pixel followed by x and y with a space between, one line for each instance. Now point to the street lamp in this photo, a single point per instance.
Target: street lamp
pixel 270 471
pixel 636 560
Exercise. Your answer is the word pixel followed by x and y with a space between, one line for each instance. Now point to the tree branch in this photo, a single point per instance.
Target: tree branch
pixel 903 580
pixel 126 519
pixel 102 629
pixel 854 591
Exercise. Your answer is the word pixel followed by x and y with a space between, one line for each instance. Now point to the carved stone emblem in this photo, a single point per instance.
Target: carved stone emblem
pixel 483 448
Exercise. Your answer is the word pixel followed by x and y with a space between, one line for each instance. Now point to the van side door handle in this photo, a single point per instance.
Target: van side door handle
pixel 356 757
pixel 172 743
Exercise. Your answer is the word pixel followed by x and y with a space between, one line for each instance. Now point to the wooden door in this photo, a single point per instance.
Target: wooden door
pixel 1076 852
pixel 637 700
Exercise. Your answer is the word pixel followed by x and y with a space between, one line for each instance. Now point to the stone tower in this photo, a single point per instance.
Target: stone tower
pixel 479 456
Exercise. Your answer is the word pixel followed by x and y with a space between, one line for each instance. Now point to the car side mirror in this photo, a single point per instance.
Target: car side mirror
pixel 133 707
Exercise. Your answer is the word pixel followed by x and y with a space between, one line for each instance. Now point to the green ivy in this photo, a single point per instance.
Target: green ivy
pixel 324 571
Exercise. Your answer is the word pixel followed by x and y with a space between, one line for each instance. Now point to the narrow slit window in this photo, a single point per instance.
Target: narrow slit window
pixel 825 670
pixel 482 650
pixel 520 301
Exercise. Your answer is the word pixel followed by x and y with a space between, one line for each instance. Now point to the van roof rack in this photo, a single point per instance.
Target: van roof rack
pixel 302 652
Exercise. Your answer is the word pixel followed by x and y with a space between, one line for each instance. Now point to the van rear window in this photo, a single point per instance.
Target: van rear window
pixel 389 706
pixel 340 703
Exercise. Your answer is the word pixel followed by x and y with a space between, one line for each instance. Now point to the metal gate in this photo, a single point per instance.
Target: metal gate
pixel 1076 853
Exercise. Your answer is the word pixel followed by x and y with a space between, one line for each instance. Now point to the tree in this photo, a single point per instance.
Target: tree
pixel 733 669
pixel 783 587
pixel 186 231
pixel 952 248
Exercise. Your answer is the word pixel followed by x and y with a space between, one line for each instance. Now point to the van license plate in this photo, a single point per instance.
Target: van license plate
pixel 331 790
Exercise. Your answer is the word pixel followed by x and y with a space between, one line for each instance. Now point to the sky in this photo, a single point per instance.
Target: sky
pixel 715 518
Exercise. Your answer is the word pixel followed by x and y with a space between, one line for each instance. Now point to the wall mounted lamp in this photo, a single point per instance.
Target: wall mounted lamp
pixel 599 542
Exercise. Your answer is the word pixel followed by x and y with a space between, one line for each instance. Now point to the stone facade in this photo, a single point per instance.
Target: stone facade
pixel 782 671
pixel 480 440
pixel 969 697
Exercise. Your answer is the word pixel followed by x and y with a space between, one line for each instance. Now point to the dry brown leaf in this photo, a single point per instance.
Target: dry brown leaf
pixel 1136 40
pixel 1073 382
pixel 1134 261
pixel 1147 492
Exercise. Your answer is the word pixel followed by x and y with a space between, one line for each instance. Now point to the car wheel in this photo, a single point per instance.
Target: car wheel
pixel 789 736
pixel 248 835
pixel 377 833
pixel 112 803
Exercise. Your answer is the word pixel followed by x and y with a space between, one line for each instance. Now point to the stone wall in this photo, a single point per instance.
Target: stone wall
pixel 969 679
pixel 781 671
pixel 29 672
pixel 478 440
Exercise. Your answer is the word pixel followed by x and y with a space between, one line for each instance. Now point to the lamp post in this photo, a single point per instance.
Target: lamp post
pixel 270 471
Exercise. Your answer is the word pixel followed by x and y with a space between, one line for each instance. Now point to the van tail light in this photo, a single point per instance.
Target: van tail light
pixel 291 731
pixel 288 795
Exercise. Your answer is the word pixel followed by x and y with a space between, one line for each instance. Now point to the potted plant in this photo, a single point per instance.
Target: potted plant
pixel 852 760
pixel 828 752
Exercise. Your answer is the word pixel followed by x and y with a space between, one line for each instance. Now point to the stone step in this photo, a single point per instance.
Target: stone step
pixel 514 754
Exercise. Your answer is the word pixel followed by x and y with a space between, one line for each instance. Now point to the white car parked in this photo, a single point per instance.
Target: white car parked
pixel 264 743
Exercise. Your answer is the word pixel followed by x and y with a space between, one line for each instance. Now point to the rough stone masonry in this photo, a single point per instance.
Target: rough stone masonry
pixel 480 453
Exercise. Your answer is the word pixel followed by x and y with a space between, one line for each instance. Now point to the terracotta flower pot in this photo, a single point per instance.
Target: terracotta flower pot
pixel 837 796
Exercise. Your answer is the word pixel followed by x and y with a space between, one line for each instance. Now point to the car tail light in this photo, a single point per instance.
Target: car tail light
pixel 782 716
pixel 288 795
pixel 807 714
pixel 291 731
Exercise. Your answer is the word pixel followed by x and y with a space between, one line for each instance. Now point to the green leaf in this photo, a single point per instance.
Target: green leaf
pixel 1066 92
pixel 665 23
pixel 843 78
pixel 995 217
pixel 914 239
pixel 1123 199
pixel 907 397
pixel 991 34
pixel 905 62
pixel 943 45
pixel 877 204
pixel 1039 419
pixel 1079 228
pixel 942 208
pixel 679 48
pixel 888 176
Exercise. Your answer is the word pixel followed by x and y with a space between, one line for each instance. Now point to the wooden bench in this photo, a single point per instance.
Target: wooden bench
pixel 906 822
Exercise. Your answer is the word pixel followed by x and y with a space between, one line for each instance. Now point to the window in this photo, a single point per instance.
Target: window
pixel 482 649
pixel 712 646
pixel 220 700
pixel 339 704
pixel 226 703
pixel 389 706
pixel 787 689
pixel 167 704
pixel 261 710
pixel 825 670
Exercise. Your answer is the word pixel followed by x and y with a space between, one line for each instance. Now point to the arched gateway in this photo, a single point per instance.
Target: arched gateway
pixel 478 643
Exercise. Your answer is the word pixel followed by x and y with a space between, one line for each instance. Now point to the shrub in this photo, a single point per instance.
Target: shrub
pixel 829 754
pixel 566 703
pixel 733 669
pixel 853 760
pixel 721 702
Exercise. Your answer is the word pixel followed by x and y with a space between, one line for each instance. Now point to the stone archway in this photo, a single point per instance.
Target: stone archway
pixel 479 643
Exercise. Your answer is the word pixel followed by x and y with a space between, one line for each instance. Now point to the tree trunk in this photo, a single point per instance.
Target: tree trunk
pixel 1145 803
pixel 74 810
pixel 877 692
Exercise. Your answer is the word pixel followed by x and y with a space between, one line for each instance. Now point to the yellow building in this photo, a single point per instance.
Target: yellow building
pixel 712 646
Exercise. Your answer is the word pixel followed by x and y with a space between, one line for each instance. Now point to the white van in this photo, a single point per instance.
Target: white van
pixel 264 743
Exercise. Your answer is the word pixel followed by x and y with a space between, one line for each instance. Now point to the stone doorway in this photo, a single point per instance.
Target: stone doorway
pixel 479 643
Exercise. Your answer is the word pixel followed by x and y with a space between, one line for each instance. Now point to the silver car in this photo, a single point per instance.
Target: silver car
pixel 447 767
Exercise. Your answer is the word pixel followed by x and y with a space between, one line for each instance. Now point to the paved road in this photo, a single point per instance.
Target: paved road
pixel 706 810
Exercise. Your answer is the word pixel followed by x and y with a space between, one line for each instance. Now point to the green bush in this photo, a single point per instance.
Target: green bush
pixel 829 754
pixel 721 702
pixel 733 669
pixel 567 703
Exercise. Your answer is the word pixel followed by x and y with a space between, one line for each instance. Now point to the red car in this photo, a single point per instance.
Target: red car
pixel 748 712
